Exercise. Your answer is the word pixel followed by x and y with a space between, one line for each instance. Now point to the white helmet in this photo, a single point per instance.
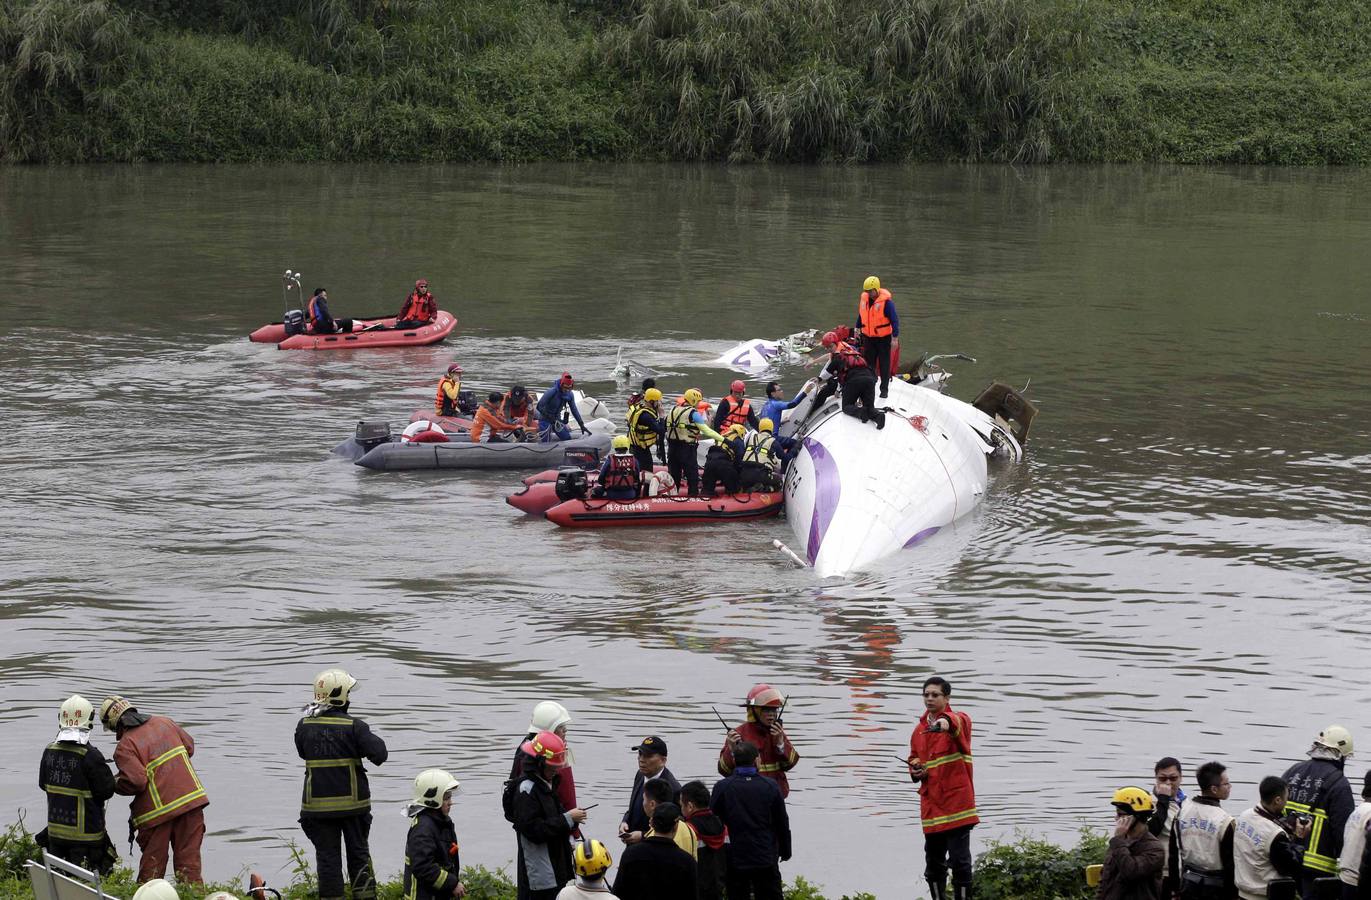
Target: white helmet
pixel 221 895
pixel 76 712
pixel 156 889
pixel 331 687
pixel 431 785
pixel 548 716
pixel 1335 737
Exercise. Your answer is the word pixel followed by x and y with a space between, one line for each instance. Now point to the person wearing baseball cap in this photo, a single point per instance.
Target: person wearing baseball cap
pixel 651 767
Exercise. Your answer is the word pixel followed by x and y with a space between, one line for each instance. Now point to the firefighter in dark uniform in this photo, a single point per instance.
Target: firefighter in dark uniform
pixel 1319 789
pixel 336 806
pixel 78 781
pixel 431 862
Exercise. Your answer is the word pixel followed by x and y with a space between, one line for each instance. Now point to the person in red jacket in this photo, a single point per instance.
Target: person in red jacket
pixel 420 308
pixel 940 764
pixel 775 754
pixel 153 758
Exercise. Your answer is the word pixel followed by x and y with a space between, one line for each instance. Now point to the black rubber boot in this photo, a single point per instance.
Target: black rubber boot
pixel 961 892
pixel 937 890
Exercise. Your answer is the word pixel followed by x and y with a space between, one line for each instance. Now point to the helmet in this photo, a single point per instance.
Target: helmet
pixel 1334 737
pixel 703 406
pixel 872 283
pixel 221 895
pixel 620 443
pixel 765 695
pixel 843 332
pixel 1133 800
pixel 548 747
pixel 829 339
pixel 76 712
pixel 591 859
pixel 652 395
pixel 766 425
pixel 454 369
pixel 567 380
pixel 692 397
pixel 331 687
pixel 737 387
pixel 156 889
pixel 549 716
pixel 518 392
pixel 735 428
pixel 430 787
pixel 111 708
pixel 420 284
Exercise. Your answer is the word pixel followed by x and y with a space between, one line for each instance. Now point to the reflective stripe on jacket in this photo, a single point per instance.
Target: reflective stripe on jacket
pixel 681 427
pixel 738 413
pixel 641 434
pixel 1319 789
pixel 333 745
pixel 757 448
pixel 77 781
pixel 431 860
pixel 771 763
pixel 154 766
pixel 947 795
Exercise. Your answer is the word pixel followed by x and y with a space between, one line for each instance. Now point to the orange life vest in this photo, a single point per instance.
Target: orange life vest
pixel 737 414
pixel 418 308
pixel 443 405
pixel 514 412
pixel 314 316
pixel 850 359
pixel 875 320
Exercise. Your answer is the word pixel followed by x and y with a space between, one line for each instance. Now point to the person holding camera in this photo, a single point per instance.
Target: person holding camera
pixel 940 764
pixel 1267 847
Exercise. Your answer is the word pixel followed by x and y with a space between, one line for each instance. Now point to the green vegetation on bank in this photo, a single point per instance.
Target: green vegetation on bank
pixel 1026 869
pixel 1251 81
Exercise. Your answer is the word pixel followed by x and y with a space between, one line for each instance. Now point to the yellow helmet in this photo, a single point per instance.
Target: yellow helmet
pixel 76 712
pixel 1335 737
pixel 620 442
pixel 693 396
pixel 766 425
pixel 1133 800
pixel 652 395
pixel 331 687
pixel 156 889
pixel 111 708
pixel 591 859
pixel 735 429
pixel 872 283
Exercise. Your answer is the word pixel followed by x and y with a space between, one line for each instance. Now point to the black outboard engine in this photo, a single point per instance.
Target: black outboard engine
pixel 572 483
pixel 467 402
pixel 294 321
pixel 587 458
pixel 372 434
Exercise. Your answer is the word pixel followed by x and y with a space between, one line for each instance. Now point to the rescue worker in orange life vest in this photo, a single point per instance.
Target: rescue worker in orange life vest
pixel 619 473
pixel 735 409
pixel 775 754
pixel 519 411
pixel 419 309
pixel 450 400
pixel 721 462
pixel 491 416
pixel 879 325
pixel 849 369
pixel 335 806
pixel 432 865
pixel 320 322
pixel 77 781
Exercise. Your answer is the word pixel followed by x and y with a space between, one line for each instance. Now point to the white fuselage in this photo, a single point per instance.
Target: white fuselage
pixel 855 494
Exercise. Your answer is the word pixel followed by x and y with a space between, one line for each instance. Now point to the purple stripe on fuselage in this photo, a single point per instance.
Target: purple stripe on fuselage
pixel 927 532
pixel 827 489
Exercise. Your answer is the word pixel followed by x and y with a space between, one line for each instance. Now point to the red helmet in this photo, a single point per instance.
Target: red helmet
pixel 843 332
pixel 765 695
pixel 454 369
pixel 829 339
pixel 567 380
pixel 546 746
pixel 420 284
pixel 737 387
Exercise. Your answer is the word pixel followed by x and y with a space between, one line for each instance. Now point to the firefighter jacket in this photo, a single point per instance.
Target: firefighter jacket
pixel 333 745
pixel 1319 789
pixel 431 862
pixel 77 781
pixel 154 767
pixel 947 796
pixel 772 762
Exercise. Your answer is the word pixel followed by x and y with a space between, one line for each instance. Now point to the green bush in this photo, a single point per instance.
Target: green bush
pixel 1032 869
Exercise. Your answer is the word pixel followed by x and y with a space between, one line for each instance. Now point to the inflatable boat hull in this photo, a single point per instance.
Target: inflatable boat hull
pixel 600 513
pixel 460 453
pixel 383 334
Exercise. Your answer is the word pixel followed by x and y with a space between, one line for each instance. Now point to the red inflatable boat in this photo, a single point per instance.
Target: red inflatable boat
pixel 365 333
pixel 671 510
pixel 551 474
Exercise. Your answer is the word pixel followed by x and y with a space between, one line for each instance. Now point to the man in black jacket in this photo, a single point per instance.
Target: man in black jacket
pixel 711 849
pixel 758 828
pixel 543 825
pixel 432 865
pixel 1319 790
pixel 335 806
pixel 655 868
pixel 78 781
pixel 651 766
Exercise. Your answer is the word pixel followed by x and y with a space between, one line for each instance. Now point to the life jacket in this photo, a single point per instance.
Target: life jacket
pixel 679 426
pixel 849 361
pixel 757 448
pixel 443 405
pixel 162 748
pixel 622 473
pixel 738 412
pixel 641 435
pixel 418 308
pixel 74 814
pixel 725 449
pixel 335 779
pixel 515 412
pixel 316 317
pixel 875 321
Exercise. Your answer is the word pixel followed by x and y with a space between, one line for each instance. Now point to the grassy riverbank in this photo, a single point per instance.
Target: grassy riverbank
pixel 1025 869
pixel 1260 81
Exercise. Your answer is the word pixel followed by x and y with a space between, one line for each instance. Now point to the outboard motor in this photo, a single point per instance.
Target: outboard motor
pixel 467 402
pixel 586 458
pixel 372 434
pixel 572 483
pixel 294 320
